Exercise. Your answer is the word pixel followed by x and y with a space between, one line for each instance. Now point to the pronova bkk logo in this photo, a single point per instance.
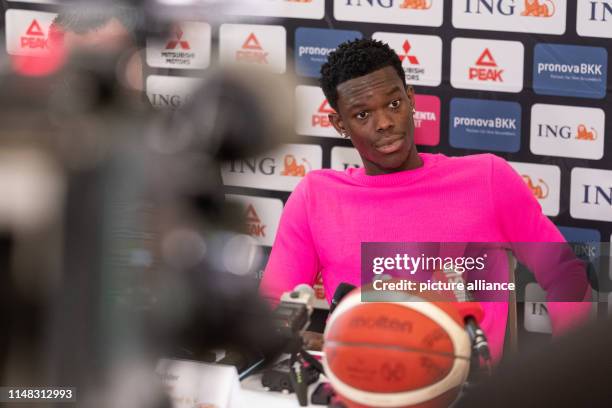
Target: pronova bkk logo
pixel 343 158
pixel 427 120
pixel 489 65
pixel 313 112
pixel 485 124
pixel 27 32
pixel 281 169
pixel 405 12
pixel 258 45
pixel 312 45
pixel 528 16
pixel 187 46
pixel 421 56
pixel 544 182
pixel 591 194
pixel 260 215
pixel 570 70
pixel 567 131
pixel 594 18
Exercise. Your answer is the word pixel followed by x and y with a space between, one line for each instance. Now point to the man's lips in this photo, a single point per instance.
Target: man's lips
pixel 390 146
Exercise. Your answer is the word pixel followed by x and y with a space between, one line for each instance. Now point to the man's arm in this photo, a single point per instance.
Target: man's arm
pixel 293 259
pixel 558 271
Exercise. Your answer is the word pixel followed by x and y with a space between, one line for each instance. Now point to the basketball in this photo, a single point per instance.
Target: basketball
pixel 396 354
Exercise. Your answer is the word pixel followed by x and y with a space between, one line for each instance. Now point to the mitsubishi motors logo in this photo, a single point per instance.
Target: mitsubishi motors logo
pixel 35 37
pixel 172 44
pixel 252 51
pixel 321 118
pixel 486 68
pixel 405 56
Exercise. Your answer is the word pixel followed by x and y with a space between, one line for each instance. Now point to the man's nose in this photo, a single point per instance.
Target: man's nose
pixel 384 122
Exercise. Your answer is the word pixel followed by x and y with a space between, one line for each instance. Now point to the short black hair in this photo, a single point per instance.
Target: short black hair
pixel 81 19
pixel 353 59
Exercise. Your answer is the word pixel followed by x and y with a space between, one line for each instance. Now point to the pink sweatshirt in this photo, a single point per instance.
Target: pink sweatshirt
pixel 477 198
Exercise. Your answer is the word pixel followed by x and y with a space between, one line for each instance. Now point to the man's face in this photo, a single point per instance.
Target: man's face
pixel 375 110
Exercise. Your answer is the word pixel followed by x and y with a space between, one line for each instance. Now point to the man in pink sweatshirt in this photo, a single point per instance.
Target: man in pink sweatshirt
pixel 400 195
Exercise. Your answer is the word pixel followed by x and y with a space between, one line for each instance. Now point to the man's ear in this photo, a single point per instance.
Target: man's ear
pixel 410 93
pixel 337 123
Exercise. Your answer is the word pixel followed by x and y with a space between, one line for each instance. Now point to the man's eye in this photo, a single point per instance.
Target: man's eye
pixel 395 104
pixel 362 115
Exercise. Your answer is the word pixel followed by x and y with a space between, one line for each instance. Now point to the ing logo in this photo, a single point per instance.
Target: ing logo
pixel 416 4
pixel 292 168
pixel 486 68
pixel 539 190
pixel 537 8
pixel 583 134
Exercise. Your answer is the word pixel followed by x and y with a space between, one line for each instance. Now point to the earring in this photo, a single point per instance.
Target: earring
pixel 344 135
pixel 413 111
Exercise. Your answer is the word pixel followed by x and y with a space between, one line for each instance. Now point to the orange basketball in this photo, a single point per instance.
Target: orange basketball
pixel 400 354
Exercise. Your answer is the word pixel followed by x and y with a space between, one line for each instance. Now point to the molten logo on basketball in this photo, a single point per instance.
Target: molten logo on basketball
pixel 381 322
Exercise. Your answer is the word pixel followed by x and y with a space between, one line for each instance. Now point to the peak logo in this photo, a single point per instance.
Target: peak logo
pixel 27 32
pixel 279 170
pixel 313 45
pixel 594 18
pixel 313 111
pixel 260 45
pixel 421 56
pixel 487 64
pixel 567 131
pixel 261 216
pixel 186 47
pixel 489 72
pixel 544 182
pixel 531 16
pixel 591 194
pixel 570 70
pixel 311 9
pixel 485 125
pixel 405 12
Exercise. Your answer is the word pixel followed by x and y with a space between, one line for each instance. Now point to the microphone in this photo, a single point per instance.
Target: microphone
pixel 341 291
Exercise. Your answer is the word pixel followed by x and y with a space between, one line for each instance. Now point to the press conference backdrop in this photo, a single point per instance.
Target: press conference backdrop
pixel 527 80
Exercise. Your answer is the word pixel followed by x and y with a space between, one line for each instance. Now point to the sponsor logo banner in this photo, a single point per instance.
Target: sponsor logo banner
pixel 591 194
pixel 525 16
pixel 567 131
pixel 312 112
pixel 594 18
pixel 187 46
pixel 544 181
pixel 281 169
pixel 490 65
pixel 586 235
pixel 27 32
pixel 311 9
pixel 421 56
pixel 570 70
pixel 536 312
pixel 312 45
pixel 169 91
pixel 427 120
pixel 257 45
pixel 404 12
pixel 485 124
pixel 260 215
pixel 343 158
